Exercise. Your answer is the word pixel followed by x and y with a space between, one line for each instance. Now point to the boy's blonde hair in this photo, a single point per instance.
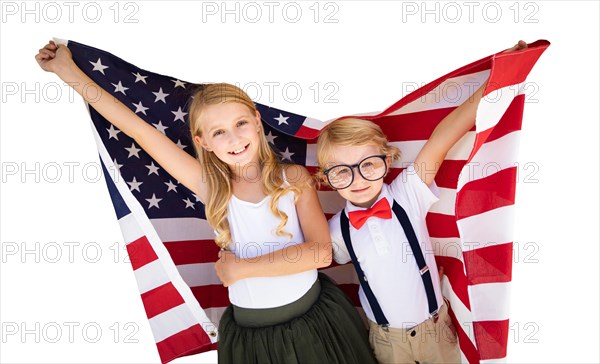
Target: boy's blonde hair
pixel 351 132
pixel 218 173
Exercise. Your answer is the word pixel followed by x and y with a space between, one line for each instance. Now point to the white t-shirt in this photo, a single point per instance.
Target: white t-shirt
pixel 253 227
pixel 385 256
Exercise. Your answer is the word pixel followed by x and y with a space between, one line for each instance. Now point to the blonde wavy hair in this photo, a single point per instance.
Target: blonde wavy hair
pixel 219 174
pixel 351 132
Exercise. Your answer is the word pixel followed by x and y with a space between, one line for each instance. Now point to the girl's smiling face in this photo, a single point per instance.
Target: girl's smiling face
pixel 231 131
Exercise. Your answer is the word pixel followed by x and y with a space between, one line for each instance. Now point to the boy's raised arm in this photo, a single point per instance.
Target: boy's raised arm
pixel 445 135
pixel 449 131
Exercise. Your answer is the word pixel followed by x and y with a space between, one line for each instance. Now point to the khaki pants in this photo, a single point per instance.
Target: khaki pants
pixel 427 342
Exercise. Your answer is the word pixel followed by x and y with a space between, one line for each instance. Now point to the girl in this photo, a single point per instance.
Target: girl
pixel 281 310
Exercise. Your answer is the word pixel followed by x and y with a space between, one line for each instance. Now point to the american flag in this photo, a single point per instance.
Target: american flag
pixel 171 246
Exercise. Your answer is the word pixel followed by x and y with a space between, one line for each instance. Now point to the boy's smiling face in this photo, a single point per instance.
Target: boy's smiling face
pixel 361 192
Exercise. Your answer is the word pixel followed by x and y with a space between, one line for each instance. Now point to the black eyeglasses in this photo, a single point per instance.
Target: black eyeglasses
pixel 371 168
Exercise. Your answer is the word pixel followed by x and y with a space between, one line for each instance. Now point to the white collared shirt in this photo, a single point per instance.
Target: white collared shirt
pixel 385 256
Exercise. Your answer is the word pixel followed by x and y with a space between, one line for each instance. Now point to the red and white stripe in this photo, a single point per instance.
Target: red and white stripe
pixel 181 325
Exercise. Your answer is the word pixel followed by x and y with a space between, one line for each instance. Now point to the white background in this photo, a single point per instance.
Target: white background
pixel 373 54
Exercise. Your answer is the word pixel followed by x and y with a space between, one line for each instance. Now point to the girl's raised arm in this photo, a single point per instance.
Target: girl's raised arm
pixel 185 168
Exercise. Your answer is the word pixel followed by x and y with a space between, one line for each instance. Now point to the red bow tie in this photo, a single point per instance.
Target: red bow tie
pixel 381 209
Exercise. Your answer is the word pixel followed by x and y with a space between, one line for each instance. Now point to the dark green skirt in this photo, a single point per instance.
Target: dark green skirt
pixel 321 327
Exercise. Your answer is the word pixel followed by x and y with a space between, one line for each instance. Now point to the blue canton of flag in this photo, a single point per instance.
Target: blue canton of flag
pixel 163 102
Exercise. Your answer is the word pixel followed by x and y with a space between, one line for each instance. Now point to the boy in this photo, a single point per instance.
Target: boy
pixel 409 323
pixel 382 230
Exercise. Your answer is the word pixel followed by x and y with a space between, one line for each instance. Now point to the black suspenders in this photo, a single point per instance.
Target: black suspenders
pixel 416 249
